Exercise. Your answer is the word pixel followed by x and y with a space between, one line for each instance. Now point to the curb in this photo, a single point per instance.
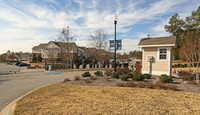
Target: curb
pixel 9 109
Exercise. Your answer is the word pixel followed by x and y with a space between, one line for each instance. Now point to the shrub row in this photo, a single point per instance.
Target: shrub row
pixel 135 77
pixel 157 85
pixel 186 75
pixel 179 65
pixel 165 78
pixel 97 73
pixel 184 65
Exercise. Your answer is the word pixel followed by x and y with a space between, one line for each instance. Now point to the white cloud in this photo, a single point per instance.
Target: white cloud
pixel 43 22
pixel 129 45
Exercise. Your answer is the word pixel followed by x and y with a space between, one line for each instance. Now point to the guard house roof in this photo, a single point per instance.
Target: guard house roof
pixel 158 41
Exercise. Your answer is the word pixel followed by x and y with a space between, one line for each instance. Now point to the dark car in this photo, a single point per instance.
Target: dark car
pixel 13 62
pixel 24 64
pixel 18 63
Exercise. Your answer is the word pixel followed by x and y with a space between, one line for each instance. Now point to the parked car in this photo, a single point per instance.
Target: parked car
pixel 24 64
pixel 13 62
pixel 18 63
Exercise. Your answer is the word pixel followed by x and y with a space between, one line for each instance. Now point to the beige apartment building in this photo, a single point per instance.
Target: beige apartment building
pixel 52 50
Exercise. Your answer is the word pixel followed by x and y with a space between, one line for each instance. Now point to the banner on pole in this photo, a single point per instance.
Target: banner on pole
pixel 118 45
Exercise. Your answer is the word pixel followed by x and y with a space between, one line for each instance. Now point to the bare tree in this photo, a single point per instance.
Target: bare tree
pixel 66 38
pixel 191 50
pixel 99 40
pixel 51 54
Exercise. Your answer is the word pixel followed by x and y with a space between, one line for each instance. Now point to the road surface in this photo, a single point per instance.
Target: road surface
pixel 14 85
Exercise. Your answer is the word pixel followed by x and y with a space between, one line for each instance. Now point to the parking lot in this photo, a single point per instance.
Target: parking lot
pixel 14 85
pixel 8 69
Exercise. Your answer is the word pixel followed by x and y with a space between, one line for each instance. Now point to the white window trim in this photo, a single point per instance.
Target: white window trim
pixel 142 60
pixel 167 54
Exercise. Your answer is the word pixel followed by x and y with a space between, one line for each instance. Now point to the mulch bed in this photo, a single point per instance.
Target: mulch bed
pixel 152 83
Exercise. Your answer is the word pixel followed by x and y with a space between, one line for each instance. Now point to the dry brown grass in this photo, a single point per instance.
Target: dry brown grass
pixel 65 99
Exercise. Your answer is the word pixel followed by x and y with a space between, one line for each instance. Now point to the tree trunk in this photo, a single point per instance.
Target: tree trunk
pixel 197 71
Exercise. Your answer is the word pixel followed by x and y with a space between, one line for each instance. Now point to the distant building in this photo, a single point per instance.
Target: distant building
pixel 24 56
pixel 54 50
pixel 157 55
pixel 12 57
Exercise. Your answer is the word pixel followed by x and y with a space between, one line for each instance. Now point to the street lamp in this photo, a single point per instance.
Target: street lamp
pixel 115 22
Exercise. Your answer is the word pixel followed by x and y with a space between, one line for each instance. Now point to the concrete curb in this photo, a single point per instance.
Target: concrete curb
pixel 9 109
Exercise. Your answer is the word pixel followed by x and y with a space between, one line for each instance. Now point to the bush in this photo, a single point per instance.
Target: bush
pixel 165 78
pixel 130 75
pixel 175 65
pixel 108 72
pixel 123 71
pixel 121 84
pixel 141 84
pixel 76 78
pixel 86 74
pixel 160 85
pixel 93 78
pixel 115 75
pixel 88 81
pixel 183 73
pixel 149 85
pixel 66 80
pixel 179 65
pixel 187 77
pixel 185 65
pixel 138 77
pixel 125 77
pixel 147 76
pixel 130 84
pixel 98 73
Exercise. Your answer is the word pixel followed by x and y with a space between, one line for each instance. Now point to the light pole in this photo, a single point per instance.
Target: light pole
pixel 115 22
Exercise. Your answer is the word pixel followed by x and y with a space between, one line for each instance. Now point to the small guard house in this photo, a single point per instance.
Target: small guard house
pixel 157 55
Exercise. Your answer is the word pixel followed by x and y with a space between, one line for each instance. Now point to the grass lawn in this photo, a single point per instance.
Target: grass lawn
pixel 63 98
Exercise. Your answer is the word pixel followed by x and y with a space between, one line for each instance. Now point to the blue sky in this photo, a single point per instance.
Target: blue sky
pixel 26 23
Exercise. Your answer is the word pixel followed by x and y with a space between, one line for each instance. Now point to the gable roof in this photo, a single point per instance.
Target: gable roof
pixel 158 41
pixel 39 46
pixel 83 48
pixel 64 45
pixel 92 50
pixel 59 44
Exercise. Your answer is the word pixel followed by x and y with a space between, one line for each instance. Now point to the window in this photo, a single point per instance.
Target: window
pixel 163 54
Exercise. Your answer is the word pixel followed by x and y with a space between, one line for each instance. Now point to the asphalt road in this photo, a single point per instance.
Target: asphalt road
pixel 14 85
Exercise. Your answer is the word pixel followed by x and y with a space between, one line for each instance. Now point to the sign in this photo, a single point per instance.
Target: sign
pixel 118 45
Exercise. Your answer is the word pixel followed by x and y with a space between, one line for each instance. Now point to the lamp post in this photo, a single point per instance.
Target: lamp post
pixel 115 22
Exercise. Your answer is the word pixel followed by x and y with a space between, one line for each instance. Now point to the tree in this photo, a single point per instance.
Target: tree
pixel 191 50
pixel 2 58
pixel 65 37
pixel 99 40
pixel 39 58
pixel 34 59
pixel 176 27
pixel 136 54
pixel 191 47
pixel 193 27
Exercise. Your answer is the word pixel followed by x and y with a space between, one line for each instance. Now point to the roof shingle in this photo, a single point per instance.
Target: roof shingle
pixel 158 41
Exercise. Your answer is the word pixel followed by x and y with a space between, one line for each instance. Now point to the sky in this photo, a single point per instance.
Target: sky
pixel 27 23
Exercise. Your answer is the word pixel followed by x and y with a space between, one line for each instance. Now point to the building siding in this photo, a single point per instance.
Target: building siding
pixel 158 67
